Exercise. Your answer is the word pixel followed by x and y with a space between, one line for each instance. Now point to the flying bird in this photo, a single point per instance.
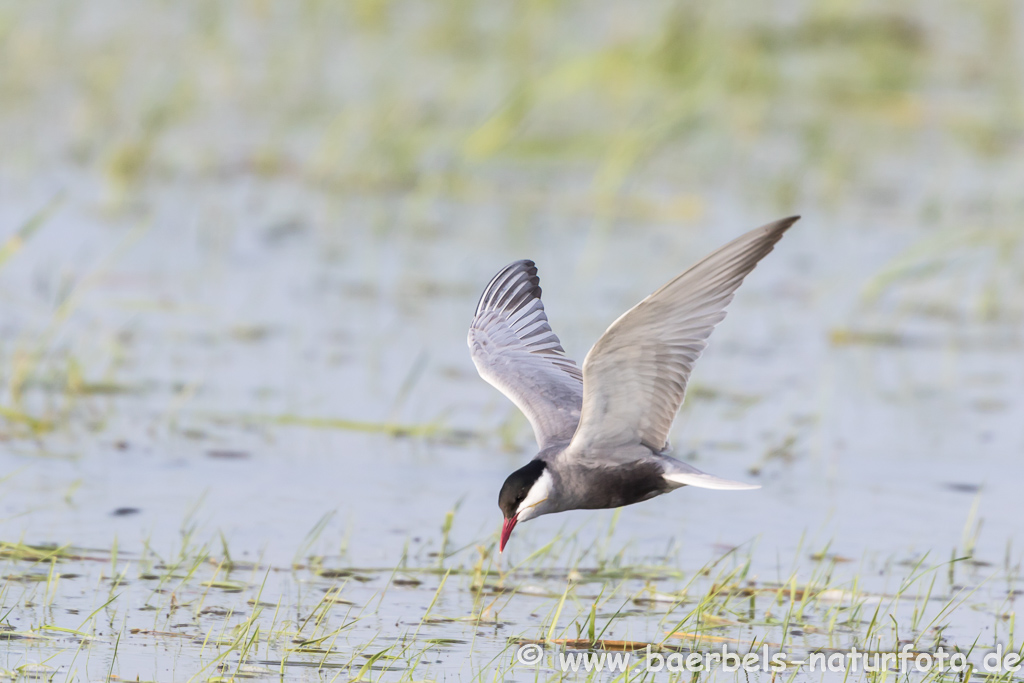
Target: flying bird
pixel 603 430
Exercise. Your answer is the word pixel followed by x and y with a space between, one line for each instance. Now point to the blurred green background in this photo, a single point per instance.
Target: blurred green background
pixel 819 103
pixel 621 113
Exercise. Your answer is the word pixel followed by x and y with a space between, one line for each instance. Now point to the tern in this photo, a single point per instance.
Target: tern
pixel 603 430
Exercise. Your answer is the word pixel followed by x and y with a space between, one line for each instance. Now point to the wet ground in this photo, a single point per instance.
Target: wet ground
pixel 242 435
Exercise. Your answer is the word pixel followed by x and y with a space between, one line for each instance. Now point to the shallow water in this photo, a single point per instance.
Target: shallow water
pixel 212 367
pixel 884 453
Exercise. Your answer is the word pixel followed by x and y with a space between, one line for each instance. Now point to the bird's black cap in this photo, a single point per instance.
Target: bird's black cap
pixel 518 485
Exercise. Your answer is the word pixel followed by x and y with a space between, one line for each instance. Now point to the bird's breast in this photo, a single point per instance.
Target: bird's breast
pixel 614 486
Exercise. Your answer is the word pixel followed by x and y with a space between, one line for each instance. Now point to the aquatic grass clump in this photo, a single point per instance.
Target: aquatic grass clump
pixel 288 620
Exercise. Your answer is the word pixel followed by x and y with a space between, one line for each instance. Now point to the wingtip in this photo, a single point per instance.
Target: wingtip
pixel 523 264
pixel 772 232
pixel 783 224
pixel 517 271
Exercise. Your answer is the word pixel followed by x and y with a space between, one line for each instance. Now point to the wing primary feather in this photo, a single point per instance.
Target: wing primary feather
pixel 636 374
pixel 516 351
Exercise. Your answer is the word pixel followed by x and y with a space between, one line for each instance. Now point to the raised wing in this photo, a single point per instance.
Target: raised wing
pixel 515 350
pixel 635 377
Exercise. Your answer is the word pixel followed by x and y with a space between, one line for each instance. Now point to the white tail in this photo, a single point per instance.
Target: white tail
pixel 706 481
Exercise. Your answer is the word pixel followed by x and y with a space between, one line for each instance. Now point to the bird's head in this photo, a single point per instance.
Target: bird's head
pixel 524 495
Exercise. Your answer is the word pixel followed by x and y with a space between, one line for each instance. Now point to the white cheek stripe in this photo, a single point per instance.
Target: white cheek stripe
pixel 538 493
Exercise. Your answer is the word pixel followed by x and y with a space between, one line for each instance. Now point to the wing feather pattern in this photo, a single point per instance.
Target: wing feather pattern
pixel 635 376
pixel 516 351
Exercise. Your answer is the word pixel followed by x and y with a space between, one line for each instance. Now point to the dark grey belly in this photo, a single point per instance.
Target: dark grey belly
pixel 612 487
